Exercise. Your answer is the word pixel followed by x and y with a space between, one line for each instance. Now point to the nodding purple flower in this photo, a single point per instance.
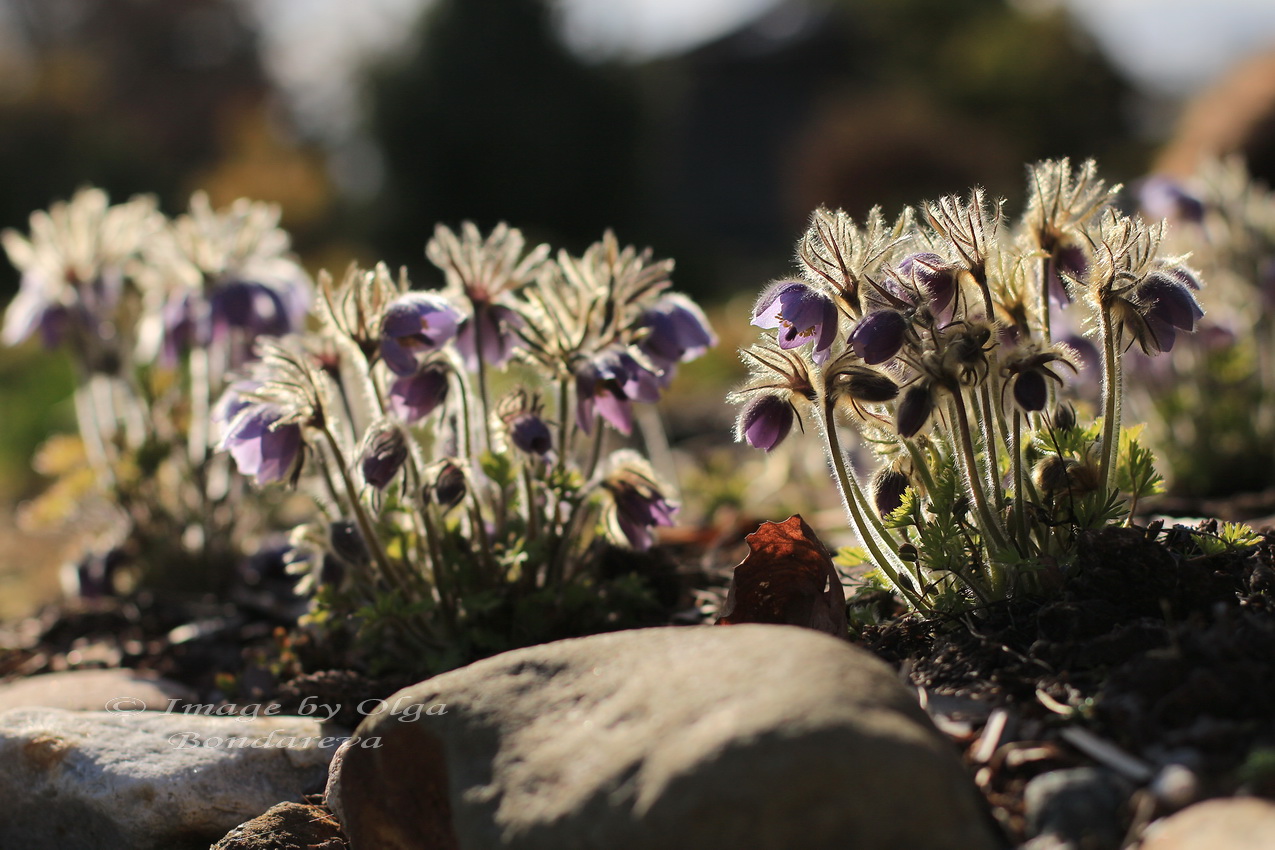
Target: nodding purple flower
pixel 1163 197
pixel 934 277
pixel 262 447
pixel 1030 390
pixel 607 384
pixel 801 314
pixel 879 336
pixel 639 507
pixel 1168 306
pixel 494 328
pixel 256 308
pixel 765 421
pixel 414 325
pixel 676 331
pixel 529 433
pixel 383 454
pixel 914 409
pixel 413 397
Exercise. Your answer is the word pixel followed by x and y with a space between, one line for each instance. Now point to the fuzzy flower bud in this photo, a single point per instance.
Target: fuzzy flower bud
pixel 914 409
pixel 888 487
pixel 383 454
pixel 445 485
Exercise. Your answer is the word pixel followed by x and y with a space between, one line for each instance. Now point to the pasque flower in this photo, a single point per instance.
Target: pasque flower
pixel 801 314
pixel 608 384
pixel 264 445
pixel 637 501
pixel 1167 306
pixel 879 336
pixel 675 331
pixel 482 274
pixel 414 325
pixel 765 421
pixel 934 277
pixel 415 396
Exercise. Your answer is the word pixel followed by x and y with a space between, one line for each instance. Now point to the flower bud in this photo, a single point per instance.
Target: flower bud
pixel 863 384
pixel 447 486
pixel 1064 417
pixel 348 544
pixel 888 487
pixel 383 454
pixel 914 409
pixel 1030 390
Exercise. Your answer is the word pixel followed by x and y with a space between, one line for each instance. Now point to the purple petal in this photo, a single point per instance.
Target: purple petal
pixel 413 397
pixel 879 336
pixel 766 421
pixel 1030 391
pixel 1169 301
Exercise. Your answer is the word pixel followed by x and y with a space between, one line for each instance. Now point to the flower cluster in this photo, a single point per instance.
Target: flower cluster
pixel 465 448
pixel 933 337
pixel 155 314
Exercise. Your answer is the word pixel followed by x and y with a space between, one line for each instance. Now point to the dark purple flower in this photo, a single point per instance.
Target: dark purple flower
pixel 1030 390
pixel 879 336
pixel 497 325
pixel 934 277
pixel 1071 261
pixel 607 384
pixel 1168 306
pixel 529 433
pixel 413 397
pixel 914 409
pixel 383 455
pixel 415 324
pixel 263 448
pixel 639 507
pixel 801 314
pixel 251 307
pixel 765 421
pixel 1163 197
pixel 676 331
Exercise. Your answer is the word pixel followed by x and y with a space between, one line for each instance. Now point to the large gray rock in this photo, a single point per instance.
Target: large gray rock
pixel 750 737
pixel 107 781
pixel 95 690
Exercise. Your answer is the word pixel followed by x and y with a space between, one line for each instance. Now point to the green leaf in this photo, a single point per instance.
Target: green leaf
pixel 499 468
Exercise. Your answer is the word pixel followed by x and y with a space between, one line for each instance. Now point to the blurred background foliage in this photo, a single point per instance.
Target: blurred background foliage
pixel 713 154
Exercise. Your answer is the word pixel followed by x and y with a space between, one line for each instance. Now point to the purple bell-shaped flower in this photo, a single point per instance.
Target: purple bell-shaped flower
pixel 801 314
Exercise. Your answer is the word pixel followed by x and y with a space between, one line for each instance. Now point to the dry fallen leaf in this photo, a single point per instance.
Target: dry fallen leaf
pixel 787 578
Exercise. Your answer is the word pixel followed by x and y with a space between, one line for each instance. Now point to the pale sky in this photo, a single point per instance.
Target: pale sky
pixel 1171 46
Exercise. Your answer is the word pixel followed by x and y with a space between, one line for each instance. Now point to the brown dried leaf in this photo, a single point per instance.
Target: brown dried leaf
pixel 787 578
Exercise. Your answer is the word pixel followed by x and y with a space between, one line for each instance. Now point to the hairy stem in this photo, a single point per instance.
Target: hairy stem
pixel 852 501
pixel 969 469
pixel 1112 390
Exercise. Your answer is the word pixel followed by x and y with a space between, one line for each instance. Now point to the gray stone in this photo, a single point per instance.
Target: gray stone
pixel 1236 823
pixel 102 780
pixel 95 690
pixel 751 737
pixel 1079 805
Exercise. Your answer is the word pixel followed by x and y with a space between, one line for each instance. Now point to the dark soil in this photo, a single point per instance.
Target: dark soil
pixel 1149 650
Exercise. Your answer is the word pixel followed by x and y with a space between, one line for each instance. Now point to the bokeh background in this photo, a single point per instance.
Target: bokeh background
pixel 707 129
